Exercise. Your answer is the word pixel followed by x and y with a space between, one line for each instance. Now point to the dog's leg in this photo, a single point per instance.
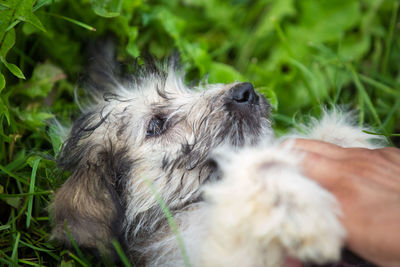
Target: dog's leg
pixel 265 210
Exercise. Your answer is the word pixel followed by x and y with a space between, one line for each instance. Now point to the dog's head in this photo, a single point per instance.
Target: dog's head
pixel 141 130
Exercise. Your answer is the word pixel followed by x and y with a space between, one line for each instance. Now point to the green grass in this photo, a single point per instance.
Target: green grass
pixel 302 54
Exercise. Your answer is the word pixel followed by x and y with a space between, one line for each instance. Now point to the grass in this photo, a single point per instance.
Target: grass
pixel 171 222
pixel 301 54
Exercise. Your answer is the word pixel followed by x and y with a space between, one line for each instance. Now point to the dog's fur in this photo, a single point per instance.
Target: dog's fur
pixel 234 204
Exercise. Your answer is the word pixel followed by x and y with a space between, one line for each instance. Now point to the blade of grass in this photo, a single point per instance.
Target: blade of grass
pixel 338 85
pixel 74 21
pixel 389 38
pixel 379 85
pixel 48 192
pixel 42 218
pixel 361 108
pixel 84 261
pixel 364 95
pixel 121 253
pixel 306 76
pixel 18 162
pixel 24 56
pixel 12 25
pixel 171 222
pixel 78 259
pixel 16 177
pixel 39 4
pixel 282 36
pixel 8 263
pixel 20 212
pixel 391 112
pixel 29 263
pixel 283 118
pixel 47 251
pixel 31 189
pixel 5 227
pixel 368 132
pixel 14 254
pixel 34 247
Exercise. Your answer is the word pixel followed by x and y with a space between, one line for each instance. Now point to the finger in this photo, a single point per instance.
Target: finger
pixel 335 151
pixel 321 169
pixel 316 146
pixel 391 153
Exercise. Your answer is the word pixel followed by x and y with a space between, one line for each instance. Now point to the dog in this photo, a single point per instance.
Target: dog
pixel 192 176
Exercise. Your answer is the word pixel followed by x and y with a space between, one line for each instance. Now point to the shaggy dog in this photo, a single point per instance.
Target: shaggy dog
pixel 148 146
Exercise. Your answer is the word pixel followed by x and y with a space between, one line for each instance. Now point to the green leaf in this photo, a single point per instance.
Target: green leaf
pixel 29 29
pixel 278 10
pixel 323 20
pixel 20 10
pixel 222 73
pixel 12 25
pixel 18 162
pixel 107 8
pixel 24 12
pixel 2 82
pixel 70 263
pixel 269 93
pixel 55 137
pixel 2 7
pixel 43 79
pixel 354 47
pixel 197 54
pixel 7 42
pixel 41 3
pixel 13 68
pixel 4 111
pixel 35 119
pixel 173 24
pixel 13 201
pixel 132 47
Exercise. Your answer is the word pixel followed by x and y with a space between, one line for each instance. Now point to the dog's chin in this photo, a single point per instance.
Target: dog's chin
pixel 249 130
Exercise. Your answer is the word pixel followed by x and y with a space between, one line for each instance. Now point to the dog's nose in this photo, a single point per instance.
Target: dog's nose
pixel 243 93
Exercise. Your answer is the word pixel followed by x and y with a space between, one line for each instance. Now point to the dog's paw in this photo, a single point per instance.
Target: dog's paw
pixel 267 208
pixel 340 128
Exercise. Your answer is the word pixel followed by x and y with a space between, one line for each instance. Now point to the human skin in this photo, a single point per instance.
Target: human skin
pixel 367 185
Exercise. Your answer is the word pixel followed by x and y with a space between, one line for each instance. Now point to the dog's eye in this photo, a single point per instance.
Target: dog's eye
pixel 156 126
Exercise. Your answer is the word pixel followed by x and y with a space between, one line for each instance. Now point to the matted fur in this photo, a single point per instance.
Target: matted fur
pixel 258 209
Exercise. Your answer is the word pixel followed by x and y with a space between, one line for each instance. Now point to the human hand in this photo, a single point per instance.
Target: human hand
pixel 367 185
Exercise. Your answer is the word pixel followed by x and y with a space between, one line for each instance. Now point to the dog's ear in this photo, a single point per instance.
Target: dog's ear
pixel 90 204
pixel 85 207
pixel 103 72
pixel 103 76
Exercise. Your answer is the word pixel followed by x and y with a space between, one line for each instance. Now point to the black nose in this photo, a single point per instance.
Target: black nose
pixel 244 93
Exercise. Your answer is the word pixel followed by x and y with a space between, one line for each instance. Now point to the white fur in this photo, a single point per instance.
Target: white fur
pixel 266 209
